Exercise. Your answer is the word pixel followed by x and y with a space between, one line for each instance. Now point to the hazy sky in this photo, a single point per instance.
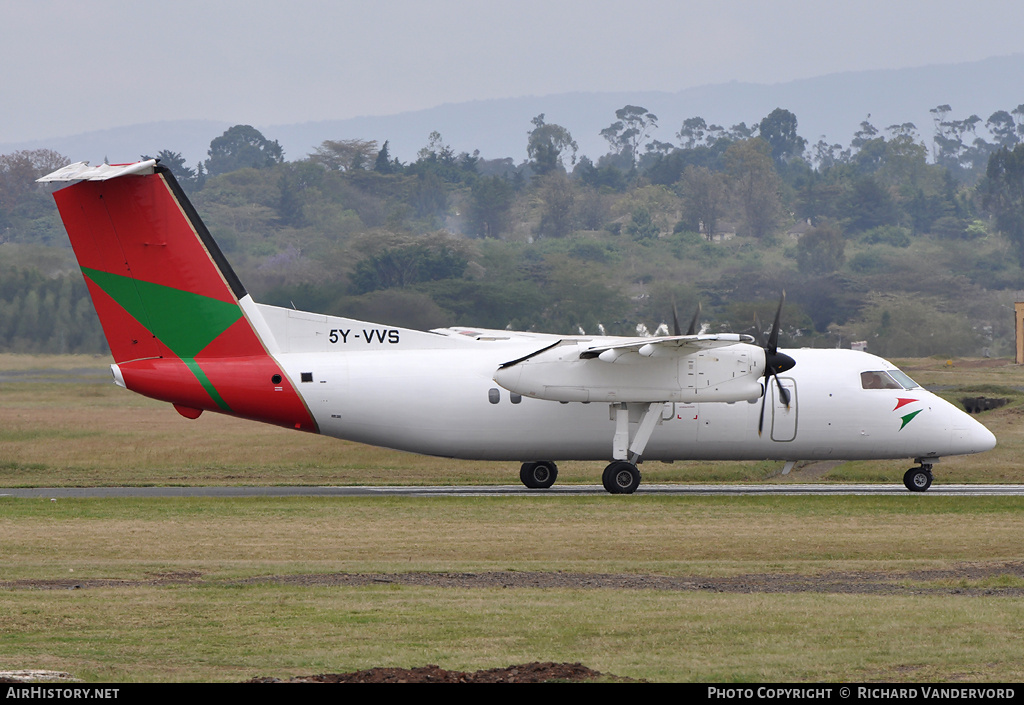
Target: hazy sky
pixel 75 66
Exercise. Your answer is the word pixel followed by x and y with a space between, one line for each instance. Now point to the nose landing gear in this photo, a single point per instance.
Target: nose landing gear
pixel 918 479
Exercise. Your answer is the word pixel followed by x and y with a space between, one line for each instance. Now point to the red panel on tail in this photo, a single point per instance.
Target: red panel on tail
pixel 134 226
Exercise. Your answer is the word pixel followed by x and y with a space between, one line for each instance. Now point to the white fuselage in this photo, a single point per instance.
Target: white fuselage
pixel 437 396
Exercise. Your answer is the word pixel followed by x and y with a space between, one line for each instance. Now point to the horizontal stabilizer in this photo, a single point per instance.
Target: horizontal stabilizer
pixel 81 171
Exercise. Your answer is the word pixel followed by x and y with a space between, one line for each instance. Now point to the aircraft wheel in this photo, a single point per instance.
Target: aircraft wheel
pixel 538 476
pixel 918 479
pixel 621 477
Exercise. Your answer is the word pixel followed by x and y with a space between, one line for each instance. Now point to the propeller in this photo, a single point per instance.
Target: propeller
pixel 774 361
pixel 676 328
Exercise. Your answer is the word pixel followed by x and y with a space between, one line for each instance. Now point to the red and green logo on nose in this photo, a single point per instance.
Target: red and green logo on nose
pixel 900 402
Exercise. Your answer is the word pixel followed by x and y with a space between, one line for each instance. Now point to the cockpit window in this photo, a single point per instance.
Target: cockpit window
pixel 904 379
pixel 878 380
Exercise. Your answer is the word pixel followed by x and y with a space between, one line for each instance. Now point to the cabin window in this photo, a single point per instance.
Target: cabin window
pixel 879 379
pixel 904 379
pixel 493 395
pixel 516 398
pixel 307 376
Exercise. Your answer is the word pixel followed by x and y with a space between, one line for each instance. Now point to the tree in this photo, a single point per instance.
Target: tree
pixel 19 170
pixel 865 134
pixel 778 129
pixel 641 226
pixel 704 197
pixel 905 159
pixel 868 204
pixel 408 263
pixel 605 176
pixel 437 151
pixel 1003 194
pixel 1003 129
pixel 186 176
pixel 826 156
pixel 547 144
pixel 490 202
pixel 692 133
pixel 755 183
pixel 439 158
pixel 557 199
pixel 345 155
pixel 429 198
pixel 950 149
pixel 628 132
pixel 240 147
pixel 383 163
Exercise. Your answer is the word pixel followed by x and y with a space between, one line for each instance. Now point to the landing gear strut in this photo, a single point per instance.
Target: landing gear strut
pixel 918 479
pixel 538 476
pixel 628 444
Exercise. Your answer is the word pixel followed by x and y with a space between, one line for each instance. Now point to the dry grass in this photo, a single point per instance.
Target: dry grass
pixel 132 538
pixel 230 634
pixel 224 630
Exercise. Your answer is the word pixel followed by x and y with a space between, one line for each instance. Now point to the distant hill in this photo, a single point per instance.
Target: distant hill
pixel 831 105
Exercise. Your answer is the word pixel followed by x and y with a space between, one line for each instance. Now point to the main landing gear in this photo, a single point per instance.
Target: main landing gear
pixel 634 424
pixel 538 476
pixel 621 477
pixel 918 479
pixel 628 444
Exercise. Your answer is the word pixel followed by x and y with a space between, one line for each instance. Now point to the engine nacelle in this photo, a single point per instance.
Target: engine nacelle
pixel 723 374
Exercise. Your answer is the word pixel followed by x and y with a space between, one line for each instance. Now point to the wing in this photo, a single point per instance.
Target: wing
pixel 683 368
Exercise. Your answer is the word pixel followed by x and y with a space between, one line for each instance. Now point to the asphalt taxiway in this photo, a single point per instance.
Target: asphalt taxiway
pixel 506 490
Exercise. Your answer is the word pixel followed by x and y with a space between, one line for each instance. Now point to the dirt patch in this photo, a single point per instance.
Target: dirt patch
pixel 169 578
pixel 949 581
pixel 525 673
pixel 847 582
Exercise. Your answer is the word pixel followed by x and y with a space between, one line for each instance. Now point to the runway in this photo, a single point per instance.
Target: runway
pixel 506 490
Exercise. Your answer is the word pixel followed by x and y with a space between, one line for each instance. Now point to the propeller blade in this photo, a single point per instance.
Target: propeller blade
pixel 774 361
pixel 676 330
pixel 773 338
pixel 692 330
pixel 760 421
pixel 783 392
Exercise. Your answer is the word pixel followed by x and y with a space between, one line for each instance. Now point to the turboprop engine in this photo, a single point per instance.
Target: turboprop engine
pixel 647 372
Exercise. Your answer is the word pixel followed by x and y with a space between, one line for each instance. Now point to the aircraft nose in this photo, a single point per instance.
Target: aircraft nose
pixel 983 438
pixel 970 436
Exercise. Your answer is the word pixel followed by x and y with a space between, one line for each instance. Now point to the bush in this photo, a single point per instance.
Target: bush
pixel 888 235
pixel 821 250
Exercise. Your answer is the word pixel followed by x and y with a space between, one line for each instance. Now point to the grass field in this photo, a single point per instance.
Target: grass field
pixel 214 626
pixel 180 589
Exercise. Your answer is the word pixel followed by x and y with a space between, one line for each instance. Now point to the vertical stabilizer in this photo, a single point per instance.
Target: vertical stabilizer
pixel 178 320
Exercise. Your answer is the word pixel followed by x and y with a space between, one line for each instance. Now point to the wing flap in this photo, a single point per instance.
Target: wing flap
pixel 675 345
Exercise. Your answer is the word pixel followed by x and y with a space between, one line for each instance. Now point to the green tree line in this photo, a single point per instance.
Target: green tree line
pixel 563 243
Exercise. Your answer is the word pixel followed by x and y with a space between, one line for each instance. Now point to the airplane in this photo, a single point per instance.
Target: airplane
pixel 183 329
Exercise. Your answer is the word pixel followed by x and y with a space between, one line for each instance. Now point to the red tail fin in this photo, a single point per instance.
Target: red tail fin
pixel 167 298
